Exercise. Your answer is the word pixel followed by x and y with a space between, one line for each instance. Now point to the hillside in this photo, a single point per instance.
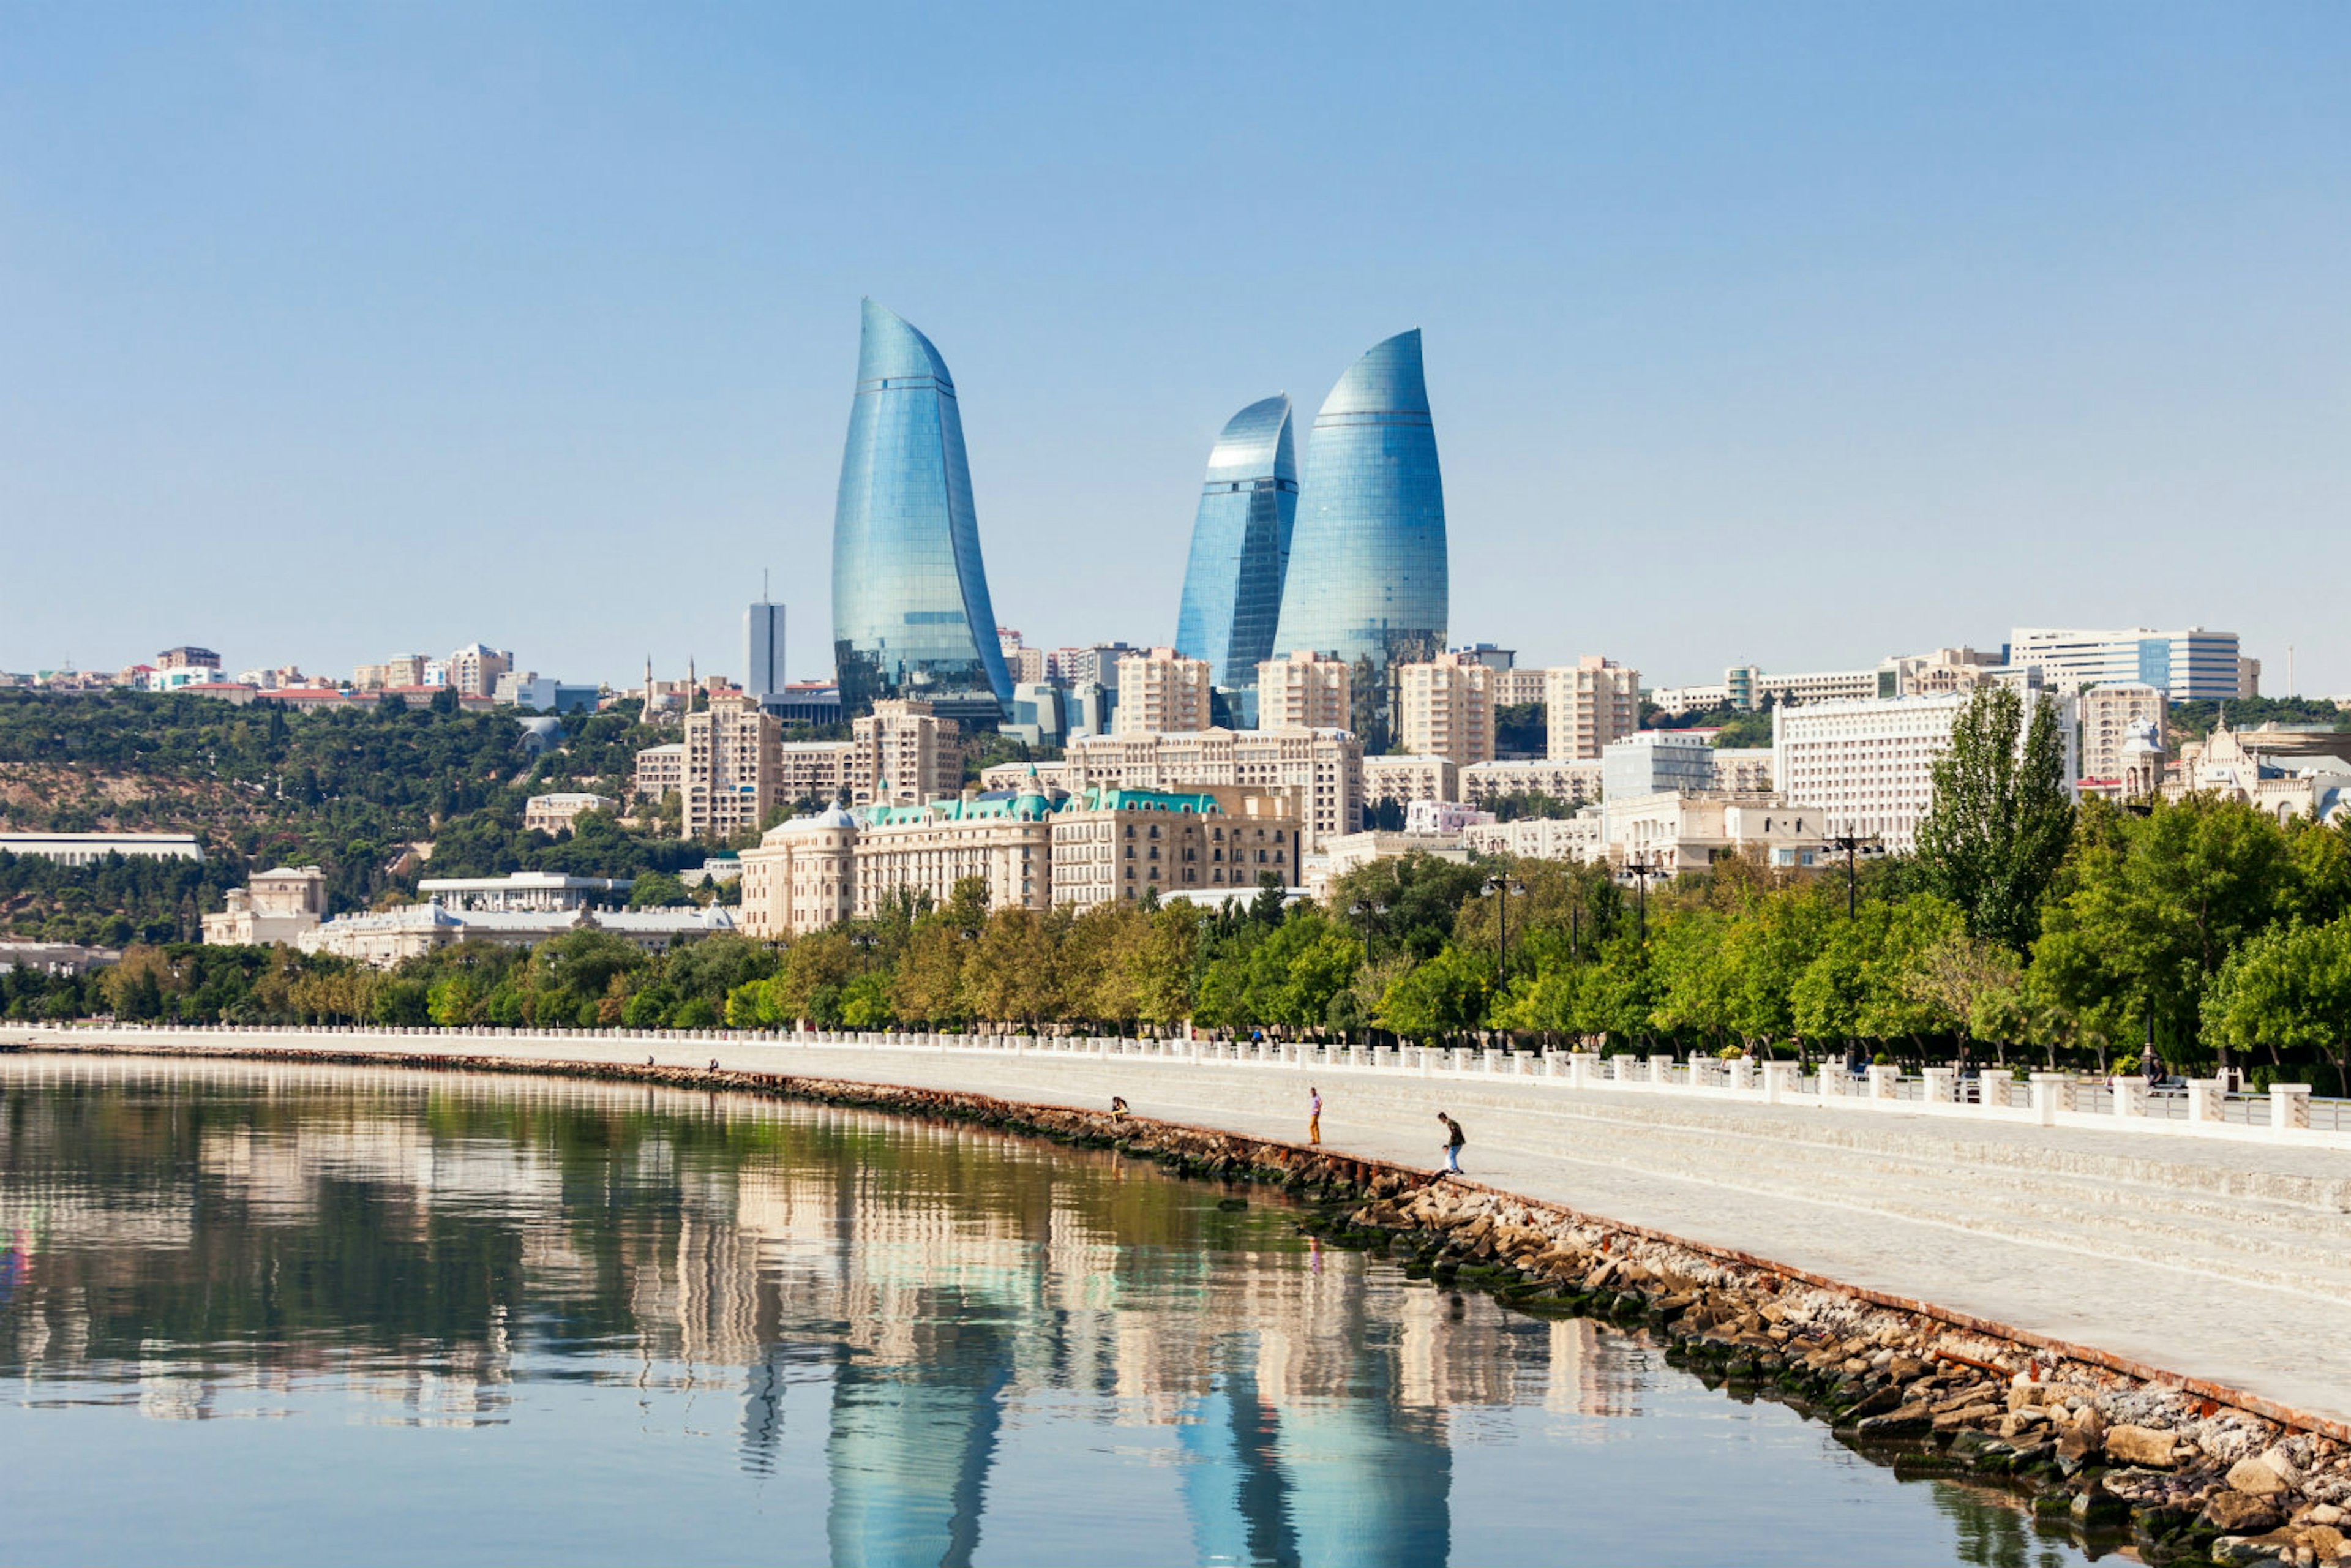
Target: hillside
pixel 346 792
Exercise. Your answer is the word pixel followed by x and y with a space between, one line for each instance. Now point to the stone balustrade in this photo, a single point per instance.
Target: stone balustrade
pixel 2285 1113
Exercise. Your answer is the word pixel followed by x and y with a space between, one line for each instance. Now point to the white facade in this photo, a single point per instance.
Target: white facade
pixel 276 907
pixel 1404 779
pixel 1868 767
pixel 2185 665
pixel 1574 783
pixel 89 849
pixel 552 814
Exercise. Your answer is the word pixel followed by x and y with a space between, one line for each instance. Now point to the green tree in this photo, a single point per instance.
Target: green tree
pixel 2287 988
pixel 1997 831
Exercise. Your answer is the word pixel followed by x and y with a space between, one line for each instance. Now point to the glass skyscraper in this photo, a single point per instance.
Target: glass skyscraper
pixel 1240 544
pixel 1367 565
pixel 911 616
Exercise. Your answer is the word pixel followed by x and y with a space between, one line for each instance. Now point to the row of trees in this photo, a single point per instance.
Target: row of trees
pixel 2022 925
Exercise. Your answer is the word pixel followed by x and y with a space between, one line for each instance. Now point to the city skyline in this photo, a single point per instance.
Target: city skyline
pixel 1877 322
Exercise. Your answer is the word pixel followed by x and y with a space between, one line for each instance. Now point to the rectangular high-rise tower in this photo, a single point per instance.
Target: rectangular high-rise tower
pixel 763 649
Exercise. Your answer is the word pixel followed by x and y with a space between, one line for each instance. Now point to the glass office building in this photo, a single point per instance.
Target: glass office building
pixel 1367 564
pixel 1240 546
pixel 911 616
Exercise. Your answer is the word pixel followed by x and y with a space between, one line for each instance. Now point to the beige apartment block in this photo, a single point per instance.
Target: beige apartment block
pixel 405 669
pixel 553 814
pixel 1118 844
pixel 1162 690
pixel 1305 691
pixel 1404 779
pixel 474 670
pixel 369 678
pixel 1573 782
pixel 813 770
pixel 731 767
pixel 1322 769
pixel 904 755
pixel 660 770
pixel 1445 707
pixel 1587 705
pixel 2120 725
pixel 1517 687
pixel 274 906
pixel 1743 769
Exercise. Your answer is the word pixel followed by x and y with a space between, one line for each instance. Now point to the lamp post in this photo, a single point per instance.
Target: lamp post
pixel 1503 886
pixel 1850 843
pixel 1640 868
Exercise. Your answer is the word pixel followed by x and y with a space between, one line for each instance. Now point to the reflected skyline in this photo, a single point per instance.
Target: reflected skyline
pixel 917 1333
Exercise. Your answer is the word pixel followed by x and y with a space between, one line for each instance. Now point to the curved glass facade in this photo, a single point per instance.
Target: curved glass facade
pixel 1240 546
pixel 1367 568
pixel 911 616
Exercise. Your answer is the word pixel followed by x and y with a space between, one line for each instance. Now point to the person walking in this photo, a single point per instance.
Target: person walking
pixel 1454 1138
pixel 1314 1115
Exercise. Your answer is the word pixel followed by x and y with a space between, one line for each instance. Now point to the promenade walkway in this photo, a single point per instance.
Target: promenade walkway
pixel 2217 1257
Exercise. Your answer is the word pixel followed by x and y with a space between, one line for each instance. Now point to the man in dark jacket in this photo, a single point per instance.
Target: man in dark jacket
pixel 1454 1139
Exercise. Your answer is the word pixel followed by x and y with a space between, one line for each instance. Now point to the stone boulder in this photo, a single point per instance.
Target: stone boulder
pixel 2241 1513
pixel 2142 1446
pixel 2257 1478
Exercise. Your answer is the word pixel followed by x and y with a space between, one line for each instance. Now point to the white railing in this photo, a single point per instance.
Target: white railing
pixel 2287 1112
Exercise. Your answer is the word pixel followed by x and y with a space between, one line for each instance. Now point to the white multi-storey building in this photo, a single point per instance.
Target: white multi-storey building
pixel 1868 768
pixel 1574 783
pixel 2186 667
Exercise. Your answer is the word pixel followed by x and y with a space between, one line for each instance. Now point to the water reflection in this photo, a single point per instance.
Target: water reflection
pixel 938 1344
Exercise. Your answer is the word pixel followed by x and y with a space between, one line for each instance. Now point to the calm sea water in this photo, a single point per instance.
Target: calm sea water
pixel 300 1315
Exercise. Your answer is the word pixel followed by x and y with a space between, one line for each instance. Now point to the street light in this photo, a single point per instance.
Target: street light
pixel 1505 886
pixel 1641 867
pixel 1849 843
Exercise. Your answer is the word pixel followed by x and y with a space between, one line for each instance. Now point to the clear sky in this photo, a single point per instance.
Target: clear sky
pixel 1797 335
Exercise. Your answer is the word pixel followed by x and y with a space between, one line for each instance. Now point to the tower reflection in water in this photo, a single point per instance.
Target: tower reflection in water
pixel 229 1234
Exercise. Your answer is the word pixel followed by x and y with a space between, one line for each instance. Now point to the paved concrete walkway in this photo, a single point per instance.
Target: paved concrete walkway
pixel 2222 1260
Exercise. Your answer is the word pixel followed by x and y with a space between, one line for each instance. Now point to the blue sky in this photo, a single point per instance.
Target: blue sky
pixel 1797 335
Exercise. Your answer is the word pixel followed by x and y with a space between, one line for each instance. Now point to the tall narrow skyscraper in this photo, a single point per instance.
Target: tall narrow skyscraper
pixel 911 616
pixel 1367 576
pixel 1240 546
pixel 763 648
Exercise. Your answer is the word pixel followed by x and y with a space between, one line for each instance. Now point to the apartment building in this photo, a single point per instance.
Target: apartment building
pixel 903 754
pixel 1305 691
pixel 813 770
pixel 732 763
pixel 1574 783
pixel 2121 724
pixel 1445 707
pixel 1322 769
pixel 1588 704
pixel 1163 690
pixel 474 669
pixel 660 770
pixel 1404 779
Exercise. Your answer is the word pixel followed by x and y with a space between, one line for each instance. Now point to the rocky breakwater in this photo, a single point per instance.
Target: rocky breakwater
pixel 2191 1477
